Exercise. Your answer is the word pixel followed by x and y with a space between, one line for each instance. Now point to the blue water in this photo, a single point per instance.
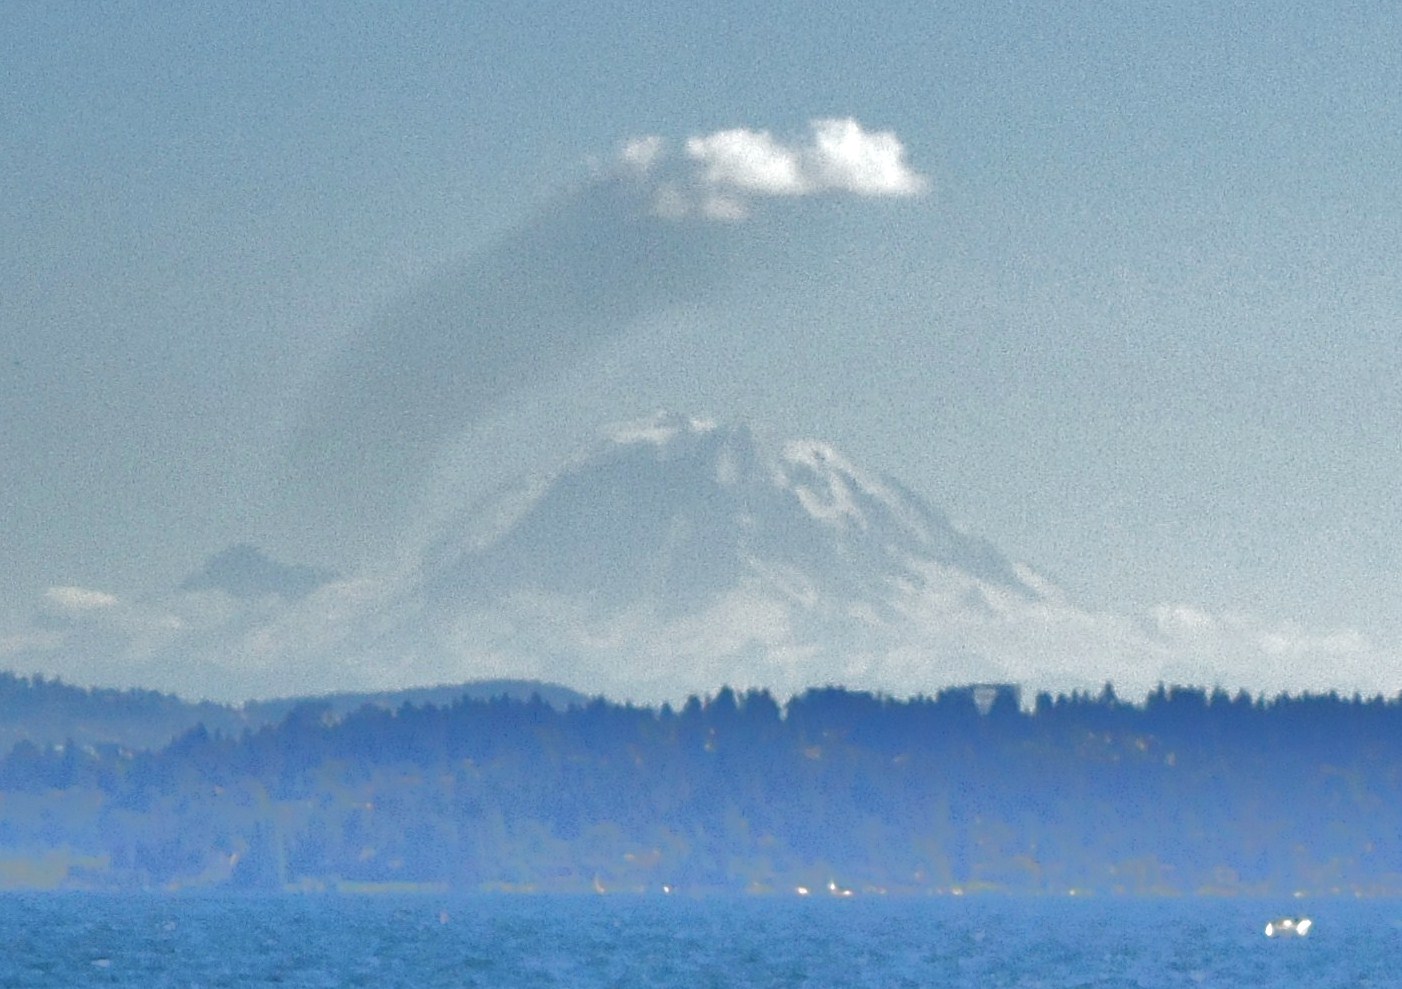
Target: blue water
pixel 149 942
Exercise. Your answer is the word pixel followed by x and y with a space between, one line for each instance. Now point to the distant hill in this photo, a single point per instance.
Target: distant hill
pixel 558 697
pixel 52 712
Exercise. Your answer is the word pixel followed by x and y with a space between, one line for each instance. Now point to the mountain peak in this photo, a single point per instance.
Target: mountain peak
pixel 681 537
pixel 681 495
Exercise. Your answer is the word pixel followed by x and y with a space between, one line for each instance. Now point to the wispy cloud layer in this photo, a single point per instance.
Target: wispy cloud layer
pixel 720 174
pixel 372 632
pixel 78 599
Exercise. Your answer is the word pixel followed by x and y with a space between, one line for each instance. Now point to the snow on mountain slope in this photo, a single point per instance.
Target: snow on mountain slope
pixel 679 554
pixel 681 510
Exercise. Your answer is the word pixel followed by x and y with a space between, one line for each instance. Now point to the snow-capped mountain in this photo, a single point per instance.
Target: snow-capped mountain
pixel 674 557
pixel 679 545
pixel 680 511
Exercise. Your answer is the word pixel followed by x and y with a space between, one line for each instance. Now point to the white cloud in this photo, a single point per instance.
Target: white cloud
pixel 843 156
pixel 670 202
pixel 773 631
pixel 749 161
pixel 642 153
pixel 1270 657
pixel 776 628
pixel 79 599
pixel 724 171
pixel 728 209
pixel 1182 621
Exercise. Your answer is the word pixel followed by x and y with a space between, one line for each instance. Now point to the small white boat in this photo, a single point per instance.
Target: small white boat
pixel 1289 927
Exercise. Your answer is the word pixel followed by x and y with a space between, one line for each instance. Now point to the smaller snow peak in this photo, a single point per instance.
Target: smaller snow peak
pixel 659 429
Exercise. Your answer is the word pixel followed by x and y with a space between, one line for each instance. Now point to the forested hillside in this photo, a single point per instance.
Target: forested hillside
pixel 52 712
pixel 836 791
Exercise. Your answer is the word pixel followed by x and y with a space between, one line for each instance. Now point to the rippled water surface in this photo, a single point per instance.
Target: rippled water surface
pixel 150 941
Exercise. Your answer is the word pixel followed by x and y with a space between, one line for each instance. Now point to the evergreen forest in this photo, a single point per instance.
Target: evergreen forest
pixel 834 793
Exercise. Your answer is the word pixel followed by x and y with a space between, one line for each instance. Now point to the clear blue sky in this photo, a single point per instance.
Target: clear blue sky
pixel 1141 328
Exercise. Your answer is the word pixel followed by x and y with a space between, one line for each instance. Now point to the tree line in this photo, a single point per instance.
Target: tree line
pixel 835 792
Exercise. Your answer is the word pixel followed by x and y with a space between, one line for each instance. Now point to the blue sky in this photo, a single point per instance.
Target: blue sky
pixel 1139 327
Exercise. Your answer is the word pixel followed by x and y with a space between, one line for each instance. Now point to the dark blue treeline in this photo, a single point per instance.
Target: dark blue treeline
pixel 1190 792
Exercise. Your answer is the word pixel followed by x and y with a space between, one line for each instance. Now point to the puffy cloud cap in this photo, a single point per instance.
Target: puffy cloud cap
pixel 733 166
